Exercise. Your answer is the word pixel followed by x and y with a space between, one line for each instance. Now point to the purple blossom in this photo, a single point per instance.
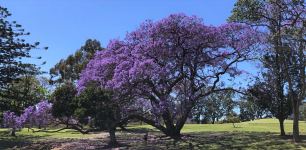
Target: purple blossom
pixel 38 115
pixel 42 113
pixel 11 120
pixel 170 62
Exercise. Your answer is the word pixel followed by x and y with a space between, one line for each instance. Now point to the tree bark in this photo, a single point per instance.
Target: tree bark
pixel 173 133
pixel 296 134
pixel 198 118
pixel 281 126
pixel 112 137
pixel 13 132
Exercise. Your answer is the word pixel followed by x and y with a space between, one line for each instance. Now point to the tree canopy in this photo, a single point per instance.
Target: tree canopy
pixel 68 70
pixel 168 65
pixel 283 23
pixel 13 50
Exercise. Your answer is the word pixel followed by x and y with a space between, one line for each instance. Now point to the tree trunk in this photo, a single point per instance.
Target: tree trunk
pixel 13 132
pixel 296 135
pixel 281 125
pixel 174 134
pixel 198 118
pixel 169 130
pixel 112 137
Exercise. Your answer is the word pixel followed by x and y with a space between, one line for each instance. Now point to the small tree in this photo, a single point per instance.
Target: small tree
pixel 22 93
pixel 100 105
pixel 38 115
pixel 13 121
pixel 268 97
pixel 251 108
pixel 232 118
pixel 215 106
pixel 64 104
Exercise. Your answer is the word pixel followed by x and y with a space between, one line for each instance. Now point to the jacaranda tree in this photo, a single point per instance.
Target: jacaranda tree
pixel 38 115
pixel 168 65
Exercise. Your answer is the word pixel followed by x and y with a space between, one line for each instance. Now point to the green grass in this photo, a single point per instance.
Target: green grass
pixel 262 125
pixel 258 134
pixel 67 133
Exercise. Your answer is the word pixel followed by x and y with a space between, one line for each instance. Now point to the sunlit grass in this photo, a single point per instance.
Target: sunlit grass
pixel 67 133
pixel 262 125
pixel 258 134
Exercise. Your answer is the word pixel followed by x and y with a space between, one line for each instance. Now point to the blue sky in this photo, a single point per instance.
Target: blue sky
pixel 64 25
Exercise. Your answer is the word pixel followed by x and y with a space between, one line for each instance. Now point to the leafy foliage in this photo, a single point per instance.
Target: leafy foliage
pixel 23 93
pixel 269 97
pixel 283 21
pixel 252 108
pixel 169 65
pixel 13 49
pixel 214 107
pixel 63 99
pixel 98 104
pixel 68 70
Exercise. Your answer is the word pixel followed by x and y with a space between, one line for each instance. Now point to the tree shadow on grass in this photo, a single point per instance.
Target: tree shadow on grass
pixel 156 140
pixel 242 140
pixel 220 140
pixel 7 141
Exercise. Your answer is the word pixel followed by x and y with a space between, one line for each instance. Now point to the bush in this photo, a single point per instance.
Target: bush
pixel 233 119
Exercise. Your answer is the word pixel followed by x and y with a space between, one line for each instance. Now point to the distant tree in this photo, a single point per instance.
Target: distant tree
pixel 303 114
pixel 267 97
pixel 22 93
pixel 283 21
pixel 215 106
pixel 213 109
pixel 251 109
pixel 245 112
pixel 233 118
pixel 13 50
pixel 197 112
pixel 64 103
pixel 68 70
pixel 38 115
pixel 12 121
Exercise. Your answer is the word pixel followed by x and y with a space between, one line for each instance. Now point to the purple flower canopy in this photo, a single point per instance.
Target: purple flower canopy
pixel 160 52
pixel 39 115
pixel 166 66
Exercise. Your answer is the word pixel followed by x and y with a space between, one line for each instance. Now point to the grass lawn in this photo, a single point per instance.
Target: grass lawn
pixel 262 125
pixel 258 134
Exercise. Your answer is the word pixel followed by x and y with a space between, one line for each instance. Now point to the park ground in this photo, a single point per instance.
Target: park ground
pixel 258 134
